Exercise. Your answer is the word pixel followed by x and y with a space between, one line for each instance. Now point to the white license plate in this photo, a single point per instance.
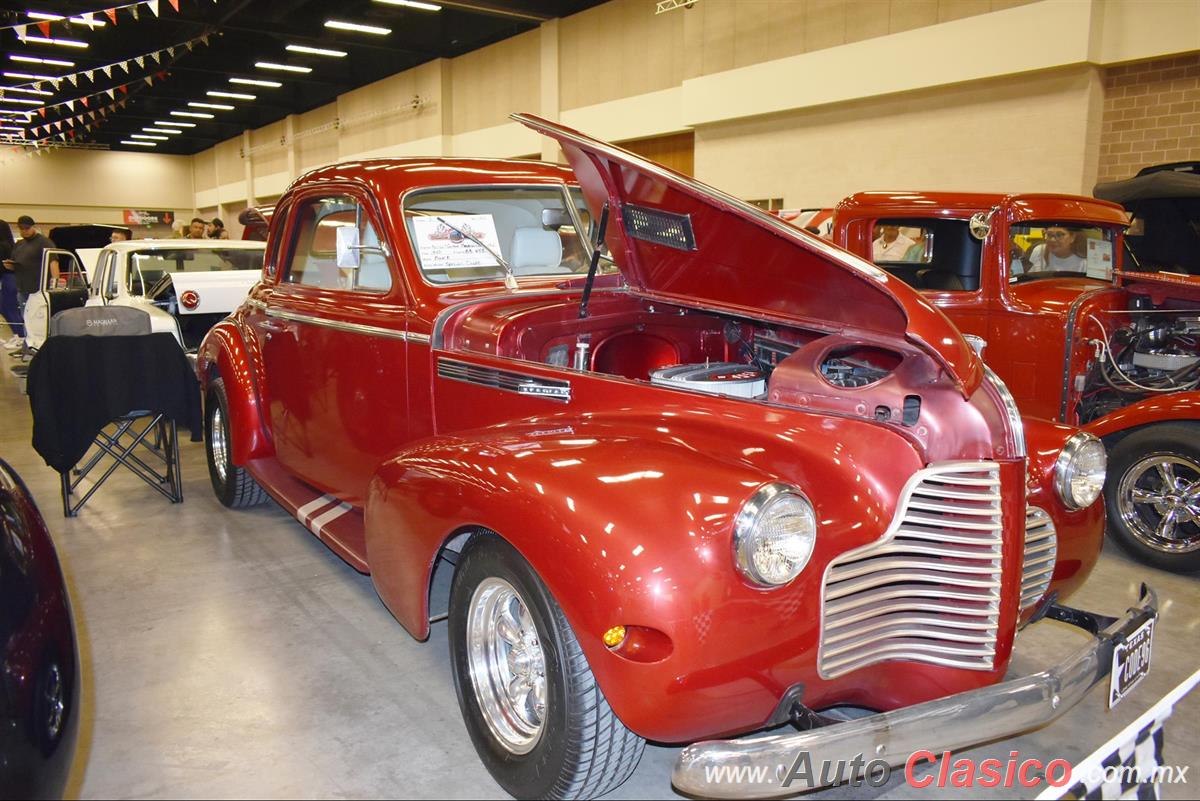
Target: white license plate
pixel 1130 662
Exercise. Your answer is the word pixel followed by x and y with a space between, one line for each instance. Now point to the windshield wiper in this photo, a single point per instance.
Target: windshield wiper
pixel 510 280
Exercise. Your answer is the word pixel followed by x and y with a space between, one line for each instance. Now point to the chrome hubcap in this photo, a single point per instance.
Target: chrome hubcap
pixel 216 441
pixel 507 665
pixel 56 703
pixel 1159 501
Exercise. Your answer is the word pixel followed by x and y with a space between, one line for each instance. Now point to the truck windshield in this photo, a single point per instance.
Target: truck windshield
pixel 1048 249
pixel 531 228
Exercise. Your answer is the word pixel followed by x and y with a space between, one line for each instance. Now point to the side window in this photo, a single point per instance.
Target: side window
pixel 335 246
pixel 938 255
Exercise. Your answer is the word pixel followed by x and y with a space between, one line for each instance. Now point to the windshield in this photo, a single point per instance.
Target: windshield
pixel 146 267
pixel 1053 249
pixel 458 233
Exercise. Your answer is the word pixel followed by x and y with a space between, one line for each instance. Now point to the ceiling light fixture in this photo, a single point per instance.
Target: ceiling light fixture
pixel 253 82
pixel 162 130
pixel 21 101
pixel 411 4
pixel 234 95
pixel 12 128
pixel 198 114
pixel 271 65
pixel 56 62
pixel 24 91
pixel 28 76
pixel 316 51
pixel 139 143
pixel 176 123
pixel 217 106
pixel 91 23
pixel 59 42
pixel 148 136
pixel 354 26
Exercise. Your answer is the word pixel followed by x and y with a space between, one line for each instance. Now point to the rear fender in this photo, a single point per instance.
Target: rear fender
pixel 1175 406
pixel 223 354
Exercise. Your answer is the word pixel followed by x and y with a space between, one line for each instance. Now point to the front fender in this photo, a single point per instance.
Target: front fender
pixel 223 353
pixel 1080 533
pixel 625 530
pixel 1158 409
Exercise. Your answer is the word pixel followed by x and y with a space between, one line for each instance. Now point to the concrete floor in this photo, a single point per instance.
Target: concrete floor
pixel 231 655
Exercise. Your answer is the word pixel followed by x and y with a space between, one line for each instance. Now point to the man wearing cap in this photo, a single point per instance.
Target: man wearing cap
pixel 27 261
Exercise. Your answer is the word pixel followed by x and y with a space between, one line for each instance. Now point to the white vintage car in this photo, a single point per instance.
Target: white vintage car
pixel 185 285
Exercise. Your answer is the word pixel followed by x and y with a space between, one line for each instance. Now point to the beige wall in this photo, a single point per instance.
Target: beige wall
pixel 1006 134
pixel 81 186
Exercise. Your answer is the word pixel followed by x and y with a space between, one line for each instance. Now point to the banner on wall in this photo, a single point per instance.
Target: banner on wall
pixel 145 217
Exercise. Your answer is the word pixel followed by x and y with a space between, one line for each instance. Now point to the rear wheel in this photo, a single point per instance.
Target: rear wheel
pixel 233 485
pixel 538 720
pixel 1153 496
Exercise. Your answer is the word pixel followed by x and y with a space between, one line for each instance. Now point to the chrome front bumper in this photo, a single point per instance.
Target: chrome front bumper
pixel 734 768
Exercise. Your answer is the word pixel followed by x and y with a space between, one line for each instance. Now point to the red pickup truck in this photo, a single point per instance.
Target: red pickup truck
pixel 1079 329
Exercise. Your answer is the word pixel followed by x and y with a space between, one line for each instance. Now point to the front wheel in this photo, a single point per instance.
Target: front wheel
pixel 1153 496
pixel 539 722
pixel 233 485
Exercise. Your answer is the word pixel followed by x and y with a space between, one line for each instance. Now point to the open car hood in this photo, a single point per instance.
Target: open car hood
pixel 678 239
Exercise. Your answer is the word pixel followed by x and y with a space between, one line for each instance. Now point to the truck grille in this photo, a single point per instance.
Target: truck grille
pixel 929 589
pixel 1041 550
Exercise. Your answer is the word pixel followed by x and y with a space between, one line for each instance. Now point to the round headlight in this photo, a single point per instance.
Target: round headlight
pixel 1079 471
pixel 774 535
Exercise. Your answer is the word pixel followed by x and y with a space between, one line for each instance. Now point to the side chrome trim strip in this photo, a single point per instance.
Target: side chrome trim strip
pixel 338 325
pixel 507 380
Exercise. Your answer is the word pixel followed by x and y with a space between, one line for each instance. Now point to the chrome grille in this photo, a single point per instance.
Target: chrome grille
pixel 929 589
pixel 1041 551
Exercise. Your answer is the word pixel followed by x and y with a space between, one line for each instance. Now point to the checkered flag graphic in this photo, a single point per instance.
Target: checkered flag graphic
pixel 1120 773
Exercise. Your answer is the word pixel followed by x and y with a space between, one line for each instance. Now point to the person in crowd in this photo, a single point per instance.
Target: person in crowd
pixel 27 262
pixel 196 228
pixel 218 229
pixel 8 288
pixel 118 236
pixel 1063 251
pixel 915 252
pixel 891 245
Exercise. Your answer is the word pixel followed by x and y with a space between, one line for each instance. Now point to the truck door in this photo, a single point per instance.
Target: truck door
pixel 62 285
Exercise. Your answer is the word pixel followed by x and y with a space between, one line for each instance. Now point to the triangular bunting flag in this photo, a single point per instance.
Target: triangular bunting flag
pixel 123 103
pixel 157 56
pixel 70 121
pixel 112 14
pixel 112 93
pixel 149 80
pixel 174 5
pixel 189 46
pixel 124 65
pixel 44 27
pixel 70 104
pixel 58 125
pixel 20 29
pixel 124 88
pixel 107 70
pixel 153 4
pixel 88 17
pixel 171 52
pixel 84 101
pixel 133 10
pixel 73 79
pixel 204 38
pixel 88 74
pixel 141 61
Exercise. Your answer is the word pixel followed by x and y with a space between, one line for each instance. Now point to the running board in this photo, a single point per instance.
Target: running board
pixel 334 522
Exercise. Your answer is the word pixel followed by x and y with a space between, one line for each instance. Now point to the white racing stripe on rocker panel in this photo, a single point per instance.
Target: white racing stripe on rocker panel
pixel 319 523
pixel 309 509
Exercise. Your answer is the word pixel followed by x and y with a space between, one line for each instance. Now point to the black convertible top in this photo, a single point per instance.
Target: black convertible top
pixel 1166 199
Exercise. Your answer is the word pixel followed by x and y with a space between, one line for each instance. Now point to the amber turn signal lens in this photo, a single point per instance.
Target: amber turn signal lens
pixel 614 636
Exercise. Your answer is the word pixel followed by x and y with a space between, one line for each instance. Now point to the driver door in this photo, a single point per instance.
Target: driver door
pixel 62 284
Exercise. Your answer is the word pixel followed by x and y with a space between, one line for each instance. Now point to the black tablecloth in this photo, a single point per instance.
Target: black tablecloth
pixel 78 384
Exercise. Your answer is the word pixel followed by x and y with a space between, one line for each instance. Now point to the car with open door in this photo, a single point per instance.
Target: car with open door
pixel 186 285
pixel 1081 331
pixel 62 284
pixel 690 472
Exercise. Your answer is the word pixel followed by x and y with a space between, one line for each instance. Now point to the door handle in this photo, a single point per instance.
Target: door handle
pixel 273 326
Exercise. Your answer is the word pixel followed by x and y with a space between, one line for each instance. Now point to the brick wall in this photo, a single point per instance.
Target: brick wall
pixel 1151 115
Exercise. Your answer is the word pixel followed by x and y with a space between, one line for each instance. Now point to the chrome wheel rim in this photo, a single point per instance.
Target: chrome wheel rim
pixel 216 441
pixel 1158 499
pixel 56 704
pixel 507 665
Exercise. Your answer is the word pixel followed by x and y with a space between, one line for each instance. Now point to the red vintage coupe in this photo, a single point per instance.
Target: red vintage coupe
pixel 1079 330
pixel 725 478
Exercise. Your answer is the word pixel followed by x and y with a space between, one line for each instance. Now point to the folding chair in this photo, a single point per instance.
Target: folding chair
pixel 104 385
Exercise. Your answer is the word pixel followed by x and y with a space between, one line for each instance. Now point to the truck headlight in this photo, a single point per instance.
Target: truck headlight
pixel 1079 471
pixel 774 535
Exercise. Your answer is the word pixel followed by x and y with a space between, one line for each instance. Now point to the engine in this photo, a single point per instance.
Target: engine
pixel 1149 353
